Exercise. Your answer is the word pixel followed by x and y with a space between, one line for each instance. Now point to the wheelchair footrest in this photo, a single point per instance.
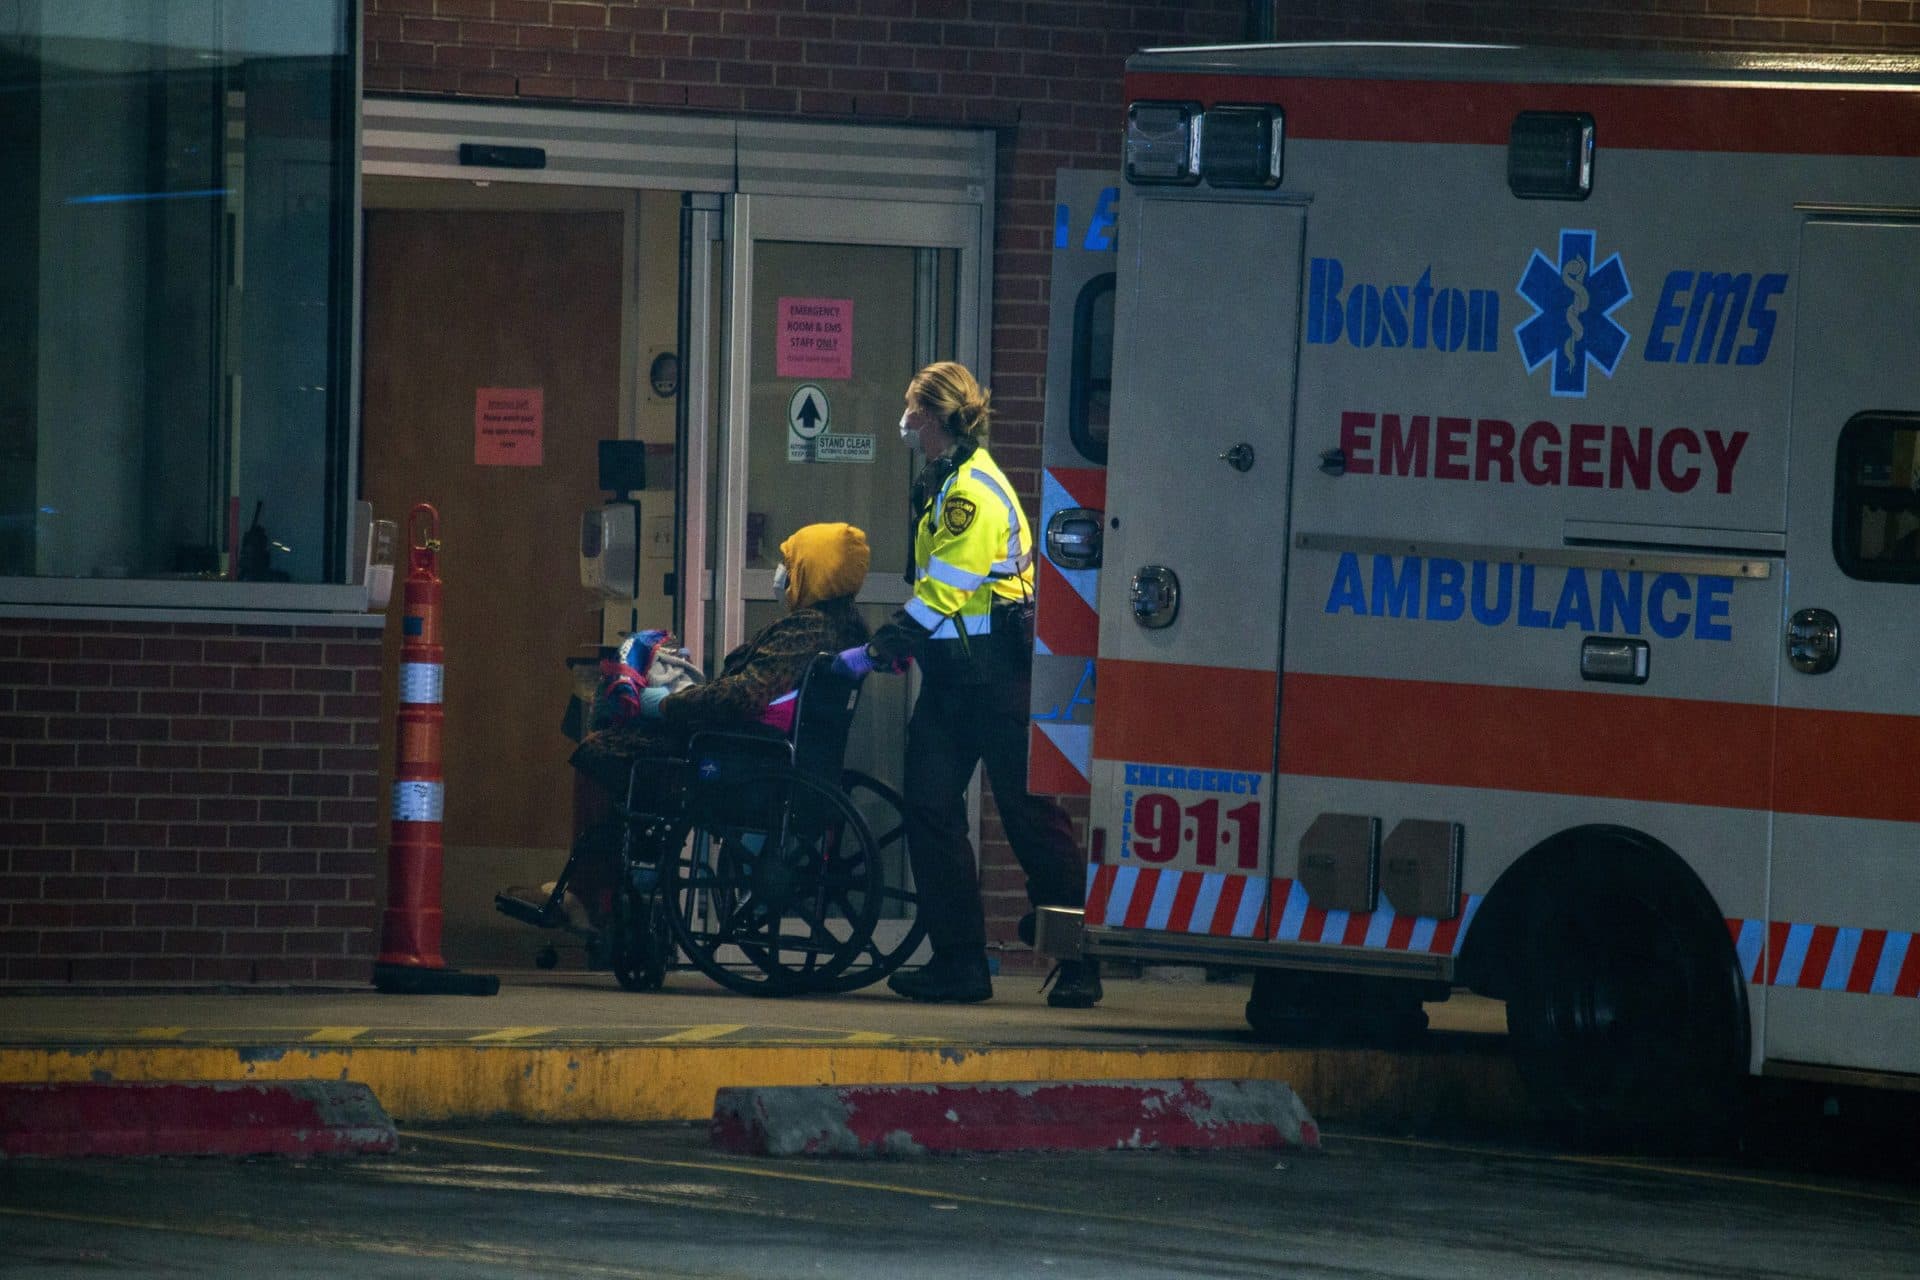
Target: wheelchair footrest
pixel 535 913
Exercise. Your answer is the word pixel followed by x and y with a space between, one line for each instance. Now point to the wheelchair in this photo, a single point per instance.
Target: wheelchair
pixel 760 860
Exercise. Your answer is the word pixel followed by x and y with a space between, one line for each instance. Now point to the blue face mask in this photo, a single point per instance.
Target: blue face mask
pixel 780 578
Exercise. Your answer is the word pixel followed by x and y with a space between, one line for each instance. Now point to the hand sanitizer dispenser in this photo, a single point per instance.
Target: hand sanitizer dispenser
pixel 610 550
pixel 610 535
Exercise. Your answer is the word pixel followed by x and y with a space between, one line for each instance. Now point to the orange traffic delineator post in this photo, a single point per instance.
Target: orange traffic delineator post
pixel 410 960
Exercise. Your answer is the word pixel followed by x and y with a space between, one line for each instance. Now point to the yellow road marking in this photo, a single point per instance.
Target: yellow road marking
pixel 336 1035
pixel 711 1032
pixel 509 1033
pixel 157 1033
pixel 875 1037
pixel 1633 1165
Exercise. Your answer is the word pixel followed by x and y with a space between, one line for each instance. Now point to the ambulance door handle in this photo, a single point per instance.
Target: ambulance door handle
pixel 1813 641
pixel 1240 457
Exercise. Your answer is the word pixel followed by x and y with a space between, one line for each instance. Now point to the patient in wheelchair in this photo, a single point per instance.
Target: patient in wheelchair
pixel 822 567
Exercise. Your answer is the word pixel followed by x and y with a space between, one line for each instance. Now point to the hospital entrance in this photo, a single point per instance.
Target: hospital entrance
pixel 753 343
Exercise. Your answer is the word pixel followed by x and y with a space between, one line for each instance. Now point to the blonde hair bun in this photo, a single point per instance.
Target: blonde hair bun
pixel 950 392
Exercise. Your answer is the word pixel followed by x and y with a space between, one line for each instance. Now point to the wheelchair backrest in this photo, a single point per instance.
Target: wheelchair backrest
pixel 823 719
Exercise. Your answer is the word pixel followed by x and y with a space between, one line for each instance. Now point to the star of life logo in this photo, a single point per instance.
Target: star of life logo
pixel 1573 304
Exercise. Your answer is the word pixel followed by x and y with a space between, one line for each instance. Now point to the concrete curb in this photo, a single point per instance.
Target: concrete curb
pixel 1031 1115
pixel 193 1118
pixel 432 1083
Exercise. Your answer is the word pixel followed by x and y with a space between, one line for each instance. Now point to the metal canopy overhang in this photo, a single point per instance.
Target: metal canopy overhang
pixel 421 138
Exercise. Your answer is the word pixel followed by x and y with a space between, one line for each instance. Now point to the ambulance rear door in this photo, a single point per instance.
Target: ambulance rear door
pixel 1073 481
pixel 1838 955
pixel 1192 593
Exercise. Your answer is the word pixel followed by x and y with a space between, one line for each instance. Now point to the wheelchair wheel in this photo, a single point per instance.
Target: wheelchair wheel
pixel 777 886
pixel 898 933
pixel 643 941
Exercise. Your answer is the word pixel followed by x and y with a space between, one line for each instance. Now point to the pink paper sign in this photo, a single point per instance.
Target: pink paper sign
pixel 508 423
pixel 815 338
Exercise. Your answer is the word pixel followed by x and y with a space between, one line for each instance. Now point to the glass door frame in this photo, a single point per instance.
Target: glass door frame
pixel 715 557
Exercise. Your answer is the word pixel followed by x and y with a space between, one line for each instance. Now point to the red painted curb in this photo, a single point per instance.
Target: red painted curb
pixel 1084 1115
pixel 194 1118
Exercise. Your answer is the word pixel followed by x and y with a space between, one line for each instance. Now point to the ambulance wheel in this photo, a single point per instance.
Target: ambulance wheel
pixel 1627 1012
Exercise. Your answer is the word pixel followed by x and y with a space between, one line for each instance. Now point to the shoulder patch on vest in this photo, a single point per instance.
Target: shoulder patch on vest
pixel 957 514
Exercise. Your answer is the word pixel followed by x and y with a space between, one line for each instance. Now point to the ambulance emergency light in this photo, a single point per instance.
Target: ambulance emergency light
pixel 1163 142
pixel 1241 146
pixel 1550 155
pixel 1229 146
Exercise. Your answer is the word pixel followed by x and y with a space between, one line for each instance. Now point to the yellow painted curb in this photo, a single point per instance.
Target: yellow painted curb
pixel 676 1081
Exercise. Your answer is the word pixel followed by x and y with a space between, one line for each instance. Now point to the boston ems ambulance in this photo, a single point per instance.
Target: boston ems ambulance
pixel 1505 571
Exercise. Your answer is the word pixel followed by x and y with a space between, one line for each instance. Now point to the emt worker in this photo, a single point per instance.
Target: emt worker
pixel 970 625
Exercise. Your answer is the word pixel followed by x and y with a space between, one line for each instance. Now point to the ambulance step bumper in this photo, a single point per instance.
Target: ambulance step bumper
pixel 1058 932
pixel 1061 933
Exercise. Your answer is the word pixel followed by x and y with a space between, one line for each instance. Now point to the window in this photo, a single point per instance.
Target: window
pixel 175 298
pixel 1876 526
pixel 1090 392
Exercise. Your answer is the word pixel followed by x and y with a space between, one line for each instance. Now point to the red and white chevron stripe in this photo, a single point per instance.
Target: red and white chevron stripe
pixel 1234 906
pixel 1826 957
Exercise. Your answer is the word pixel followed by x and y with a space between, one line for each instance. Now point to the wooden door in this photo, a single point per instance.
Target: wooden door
pixel 458 301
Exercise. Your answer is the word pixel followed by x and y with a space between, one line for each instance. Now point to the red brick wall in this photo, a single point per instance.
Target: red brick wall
pixel 1046 75
pixel 187 803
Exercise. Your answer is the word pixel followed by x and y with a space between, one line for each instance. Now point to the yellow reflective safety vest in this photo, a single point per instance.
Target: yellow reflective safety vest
pixel 973 576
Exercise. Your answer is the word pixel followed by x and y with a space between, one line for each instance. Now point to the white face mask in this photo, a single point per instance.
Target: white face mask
pixel 780 578
pixel 907 432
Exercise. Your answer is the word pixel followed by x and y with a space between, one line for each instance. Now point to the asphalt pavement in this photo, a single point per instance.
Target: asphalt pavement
pixel 656 1201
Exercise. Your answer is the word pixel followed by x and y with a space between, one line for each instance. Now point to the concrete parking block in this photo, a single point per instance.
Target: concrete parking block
pixel 1033 1115
pixel 193 1118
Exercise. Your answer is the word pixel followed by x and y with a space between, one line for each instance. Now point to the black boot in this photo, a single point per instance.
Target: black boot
pixel 946 980
pixel 1076 984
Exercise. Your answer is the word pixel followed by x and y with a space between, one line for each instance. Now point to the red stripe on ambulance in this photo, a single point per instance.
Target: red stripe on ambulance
pixel 1777 119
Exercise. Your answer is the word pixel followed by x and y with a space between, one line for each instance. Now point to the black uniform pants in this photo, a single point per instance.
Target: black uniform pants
pixel 955 727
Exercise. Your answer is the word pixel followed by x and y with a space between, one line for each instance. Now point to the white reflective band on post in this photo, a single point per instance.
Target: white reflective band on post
pixel 421 682
pixel 415 801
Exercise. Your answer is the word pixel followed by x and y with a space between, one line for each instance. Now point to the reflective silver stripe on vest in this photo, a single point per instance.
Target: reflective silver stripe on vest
pixel 1015 561
pixel 950 575
pixel 924 614
pixel 974 624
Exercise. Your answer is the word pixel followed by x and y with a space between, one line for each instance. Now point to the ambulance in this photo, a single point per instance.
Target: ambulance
pixel 1482 551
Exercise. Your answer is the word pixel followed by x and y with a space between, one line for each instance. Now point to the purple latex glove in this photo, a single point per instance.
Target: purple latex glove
pixel 855 663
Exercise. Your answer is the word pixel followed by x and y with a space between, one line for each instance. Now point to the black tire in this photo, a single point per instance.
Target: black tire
pixel 776 890
pixel 884 812
pixel 1627 1013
